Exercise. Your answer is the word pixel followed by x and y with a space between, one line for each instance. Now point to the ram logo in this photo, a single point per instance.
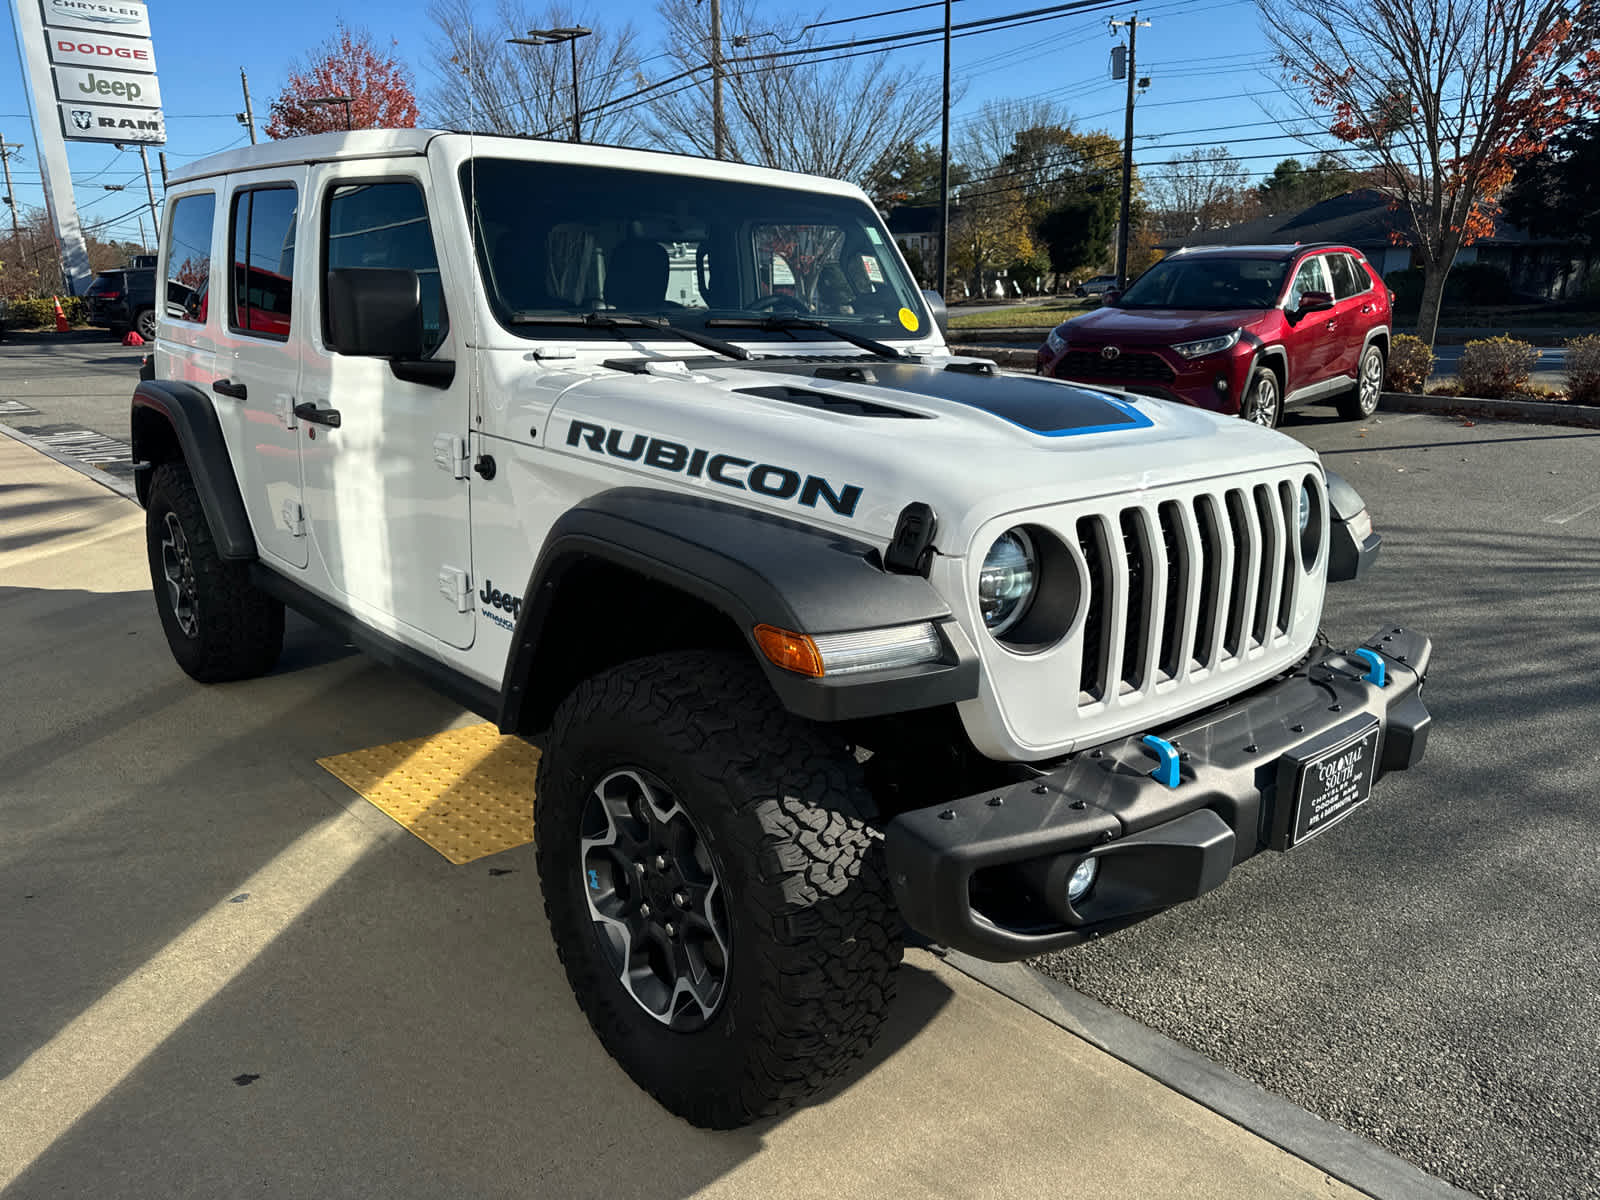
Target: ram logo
pixel 83 118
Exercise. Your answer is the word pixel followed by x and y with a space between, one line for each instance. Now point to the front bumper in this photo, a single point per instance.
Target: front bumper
pixel 985 874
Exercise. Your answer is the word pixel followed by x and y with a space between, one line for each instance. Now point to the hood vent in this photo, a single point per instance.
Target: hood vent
pixel 850 406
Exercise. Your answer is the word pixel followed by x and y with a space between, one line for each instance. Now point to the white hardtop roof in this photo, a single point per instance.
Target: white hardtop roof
pixel 400 143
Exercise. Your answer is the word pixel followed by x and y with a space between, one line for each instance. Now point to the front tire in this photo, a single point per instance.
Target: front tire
pixel 1262 402
pixel 219 625
pixel 145 323
pixel 713 887
pixel 1362 401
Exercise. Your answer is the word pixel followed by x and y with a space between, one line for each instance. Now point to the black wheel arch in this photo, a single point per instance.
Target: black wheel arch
pixel 174 421
pixel 636 571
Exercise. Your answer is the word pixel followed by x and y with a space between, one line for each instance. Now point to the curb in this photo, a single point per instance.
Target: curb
pixel 1538 412
pixel 1348 1157
pixel 122 487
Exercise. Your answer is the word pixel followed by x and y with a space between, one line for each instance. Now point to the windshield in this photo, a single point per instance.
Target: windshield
pixel 557 242
pixel 1208 283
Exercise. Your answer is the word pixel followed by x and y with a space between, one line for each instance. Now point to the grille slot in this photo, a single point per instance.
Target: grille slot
pixel 1269 579
pixel 1242 587
pixel 1092 675
pixel 1289 500
pixel 1212 579
pixel 1136 628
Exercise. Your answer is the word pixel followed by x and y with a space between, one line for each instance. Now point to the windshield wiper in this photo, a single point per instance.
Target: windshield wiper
pixel 783 324
pixel 616 320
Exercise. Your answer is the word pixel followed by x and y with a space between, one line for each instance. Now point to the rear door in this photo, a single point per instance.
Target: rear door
pixel 258 366
pixel 387 490
pixel 1352 310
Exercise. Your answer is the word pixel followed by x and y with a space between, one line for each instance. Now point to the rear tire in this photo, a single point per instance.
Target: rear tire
pixel 715 892
pixel 219 625
pixel 145 323
pixel 1362 400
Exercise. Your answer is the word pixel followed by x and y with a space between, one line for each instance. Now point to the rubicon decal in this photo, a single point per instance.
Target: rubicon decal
pixel 729 470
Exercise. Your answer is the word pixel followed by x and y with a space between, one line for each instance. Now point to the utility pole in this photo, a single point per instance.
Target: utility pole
pixel 944 167
pixel 1133 25
pixel 149 188
pixel 162 155
pixel 718 135
pixel 248 117
pixel 6 150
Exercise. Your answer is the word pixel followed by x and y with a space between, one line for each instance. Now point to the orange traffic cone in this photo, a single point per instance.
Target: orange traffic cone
pixel 61 317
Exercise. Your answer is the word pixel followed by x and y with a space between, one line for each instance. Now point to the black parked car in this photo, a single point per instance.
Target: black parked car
pixel 124 299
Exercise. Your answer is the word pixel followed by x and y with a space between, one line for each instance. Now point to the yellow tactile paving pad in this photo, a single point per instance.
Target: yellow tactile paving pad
pixel 466 792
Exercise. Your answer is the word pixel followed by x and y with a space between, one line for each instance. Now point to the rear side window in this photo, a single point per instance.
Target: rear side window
pixel 385 226
pixel 262 252
pixel 1348 277
pixel 189 257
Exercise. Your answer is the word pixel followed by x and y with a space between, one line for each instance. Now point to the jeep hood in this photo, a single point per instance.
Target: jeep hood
pixel 1157 326
pixel 973 442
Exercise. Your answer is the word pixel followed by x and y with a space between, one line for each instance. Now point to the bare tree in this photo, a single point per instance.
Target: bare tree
pixel 483 84
pixel 1199 191
pixel 990 136
pixel 1448 97
pixel 826 115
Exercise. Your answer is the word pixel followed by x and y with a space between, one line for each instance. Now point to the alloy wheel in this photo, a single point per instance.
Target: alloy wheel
pixel 655 898
pixel 1371 382
pixel 1262 405
pixel 147 324
pixel 177 565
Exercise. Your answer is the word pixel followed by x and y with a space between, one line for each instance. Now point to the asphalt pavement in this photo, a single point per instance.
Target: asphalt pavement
pixel 1427 973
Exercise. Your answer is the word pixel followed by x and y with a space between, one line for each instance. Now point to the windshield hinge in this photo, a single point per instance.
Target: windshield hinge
pixel 553 351
pixel 455 585
pixel 450 454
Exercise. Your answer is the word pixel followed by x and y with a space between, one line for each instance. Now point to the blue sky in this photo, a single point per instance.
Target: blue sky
pixel 1213 80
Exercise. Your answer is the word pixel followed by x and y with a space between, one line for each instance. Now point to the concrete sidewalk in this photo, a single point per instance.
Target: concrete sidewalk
pixel 223 972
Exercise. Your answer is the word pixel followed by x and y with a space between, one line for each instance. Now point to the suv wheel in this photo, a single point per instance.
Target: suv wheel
pixel 1262 403
pixel 145 323
pixel 1362 401
pixel 715 892
pixel 219 625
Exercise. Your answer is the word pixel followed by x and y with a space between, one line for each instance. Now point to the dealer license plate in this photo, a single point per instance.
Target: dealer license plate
pixel 1334 782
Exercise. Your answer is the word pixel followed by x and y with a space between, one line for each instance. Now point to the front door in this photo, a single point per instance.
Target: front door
pixel 1312 339
pixel 386 490
pixel 258 364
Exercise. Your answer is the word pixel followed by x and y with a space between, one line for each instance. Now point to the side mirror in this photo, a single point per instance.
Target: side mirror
pixel 375 312
pixel 1311 302
pixel 941 314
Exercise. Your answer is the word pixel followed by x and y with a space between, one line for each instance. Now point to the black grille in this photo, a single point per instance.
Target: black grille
pixel 1092 676
pixel 1091 364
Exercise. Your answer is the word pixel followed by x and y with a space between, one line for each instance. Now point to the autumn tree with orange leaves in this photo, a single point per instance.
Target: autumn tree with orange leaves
pixel 347 64
pixel 1446 96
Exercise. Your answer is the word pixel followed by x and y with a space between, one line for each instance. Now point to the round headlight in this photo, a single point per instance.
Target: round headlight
pixel 1007 583
pixel 1305 508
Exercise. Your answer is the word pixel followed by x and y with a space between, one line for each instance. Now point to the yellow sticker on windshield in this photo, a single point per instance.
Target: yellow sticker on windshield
pixel 909 319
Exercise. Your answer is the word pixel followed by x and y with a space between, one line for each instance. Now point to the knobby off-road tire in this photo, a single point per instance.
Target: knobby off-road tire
pixel 218 624
pixel 773 811
pixel 1362 400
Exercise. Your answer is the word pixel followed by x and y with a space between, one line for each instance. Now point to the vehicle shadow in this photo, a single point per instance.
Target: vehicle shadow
pixel 227 973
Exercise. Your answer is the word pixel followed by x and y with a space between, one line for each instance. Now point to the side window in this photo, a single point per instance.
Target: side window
pixel 189 257
pixel 262 251
pixel 1348 279
pixel 385 225
pixel 1311 277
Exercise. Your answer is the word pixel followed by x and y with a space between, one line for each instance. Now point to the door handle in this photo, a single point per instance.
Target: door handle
pixel 307 411
pixel 1366 308
pixel 226 387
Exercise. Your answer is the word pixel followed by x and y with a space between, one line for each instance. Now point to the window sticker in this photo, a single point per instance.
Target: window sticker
pixel 869 264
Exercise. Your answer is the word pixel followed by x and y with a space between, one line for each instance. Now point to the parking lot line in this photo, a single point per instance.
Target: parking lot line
pixel 468 793
pixel 1564 515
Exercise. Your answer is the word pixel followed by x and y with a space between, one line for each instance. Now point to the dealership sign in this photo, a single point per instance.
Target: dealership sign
pixel 69 49
pixel 127 18
pixel 104 69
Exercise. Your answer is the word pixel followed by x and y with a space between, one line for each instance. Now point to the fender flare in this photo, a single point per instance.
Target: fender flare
pixel 753 568
pixel 192 422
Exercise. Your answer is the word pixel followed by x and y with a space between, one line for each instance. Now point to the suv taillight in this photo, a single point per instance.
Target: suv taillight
pixel 108 295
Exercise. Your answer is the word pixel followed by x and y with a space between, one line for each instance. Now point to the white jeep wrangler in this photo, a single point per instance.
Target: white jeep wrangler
pixel 823 631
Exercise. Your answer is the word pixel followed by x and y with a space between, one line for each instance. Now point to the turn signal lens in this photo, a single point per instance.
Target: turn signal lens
pixel 792 651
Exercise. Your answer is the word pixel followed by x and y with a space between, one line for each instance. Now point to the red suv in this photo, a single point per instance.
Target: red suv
pixel 1238 329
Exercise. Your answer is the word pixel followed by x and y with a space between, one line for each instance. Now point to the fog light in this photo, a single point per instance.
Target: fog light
pixel 1222 386
pixel 1082 879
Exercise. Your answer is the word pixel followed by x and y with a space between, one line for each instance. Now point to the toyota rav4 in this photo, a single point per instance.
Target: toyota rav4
pixel 822 630
pixel 1239 329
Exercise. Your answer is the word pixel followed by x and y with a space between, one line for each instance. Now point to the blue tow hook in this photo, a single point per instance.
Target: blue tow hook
pixel 1166 772
pixel 1375 669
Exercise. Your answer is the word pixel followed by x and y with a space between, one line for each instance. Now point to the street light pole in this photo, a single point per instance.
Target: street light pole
pixel 553 37
pixel 944 167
